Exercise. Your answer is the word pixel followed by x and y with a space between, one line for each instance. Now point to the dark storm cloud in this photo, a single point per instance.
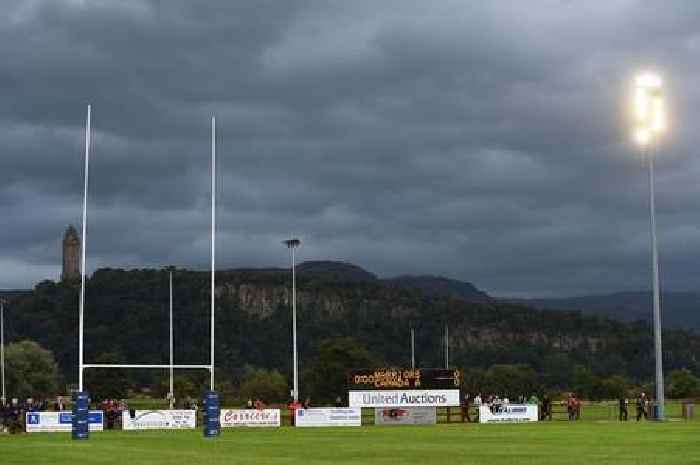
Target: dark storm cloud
pixel 482 140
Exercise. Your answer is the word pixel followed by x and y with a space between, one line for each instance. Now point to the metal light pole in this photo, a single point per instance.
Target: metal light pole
pixel 2 352
pixel 413 349
pixel 171 394
pixel 447 348
pixel 291 245
pixel 650 123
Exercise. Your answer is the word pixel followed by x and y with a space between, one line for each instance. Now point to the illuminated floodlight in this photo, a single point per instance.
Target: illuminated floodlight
pixel 649 109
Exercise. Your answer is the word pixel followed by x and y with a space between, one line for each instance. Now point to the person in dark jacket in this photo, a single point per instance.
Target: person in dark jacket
pixel 466 403
pixel 15 417
pixel 623 409
pixel 642 406
pixel 546 408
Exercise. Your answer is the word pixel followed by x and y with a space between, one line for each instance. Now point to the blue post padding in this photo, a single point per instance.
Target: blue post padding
pixel 80 428
pixel 212 426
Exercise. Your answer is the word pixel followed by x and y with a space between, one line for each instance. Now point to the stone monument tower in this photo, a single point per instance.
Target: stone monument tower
pixel 71 255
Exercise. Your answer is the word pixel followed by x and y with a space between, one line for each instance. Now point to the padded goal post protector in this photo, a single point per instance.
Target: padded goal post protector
pixel 212 411
pixel 80 427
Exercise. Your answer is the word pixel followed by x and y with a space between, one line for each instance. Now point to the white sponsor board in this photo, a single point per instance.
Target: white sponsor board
pixel 405 416
pixel 347 416
pixel 512 413
pixel 159 419
pixel 59 422
pixel 408 398
pixel 267 417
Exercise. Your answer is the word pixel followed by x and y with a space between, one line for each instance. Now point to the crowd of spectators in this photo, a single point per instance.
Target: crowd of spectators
pixel 12 415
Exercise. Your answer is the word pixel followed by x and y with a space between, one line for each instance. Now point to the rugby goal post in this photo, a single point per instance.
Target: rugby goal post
pixel 82 366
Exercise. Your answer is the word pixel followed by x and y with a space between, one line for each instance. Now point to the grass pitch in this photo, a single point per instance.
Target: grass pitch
pixel 541 443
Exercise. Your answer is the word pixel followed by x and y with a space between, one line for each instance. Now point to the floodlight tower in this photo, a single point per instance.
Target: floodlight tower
pixel 649 124
pixel 292 244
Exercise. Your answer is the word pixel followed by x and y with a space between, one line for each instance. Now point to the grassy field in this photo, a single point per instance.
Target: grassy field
pixel 585 442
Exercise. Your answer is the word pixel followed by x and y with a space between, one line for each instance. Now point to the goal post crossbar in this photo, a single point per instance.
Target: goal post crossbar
pixel 164 367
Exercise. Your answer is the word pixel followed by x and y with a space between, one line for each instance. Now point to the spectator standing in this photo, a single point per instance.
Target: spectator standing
pixel 293 406
pixel 15 417
pixel 642 406
pixel 623 408
pixel 546 408
pixel 338 402
pixel 571 406
pixel 249 404
pixel 307 402
pixel 465 408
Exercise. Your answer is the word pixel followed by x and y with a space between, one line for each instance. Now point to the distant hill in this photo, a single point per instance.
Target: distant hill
pixel 678 309
pixel 330 271
pixel 436 286
pixel 127 319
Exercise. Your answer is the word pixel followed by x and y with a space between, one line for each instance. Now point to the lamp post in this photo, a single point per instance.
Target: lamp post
pixel 292 244
pixel 2 352
pixel 171 394
pixel 447 347
pixel 649 124
pixel 413 349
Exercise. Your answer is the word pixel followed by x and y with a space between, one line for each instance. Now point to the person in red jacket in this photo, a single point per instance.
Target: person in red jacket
pixel 293 406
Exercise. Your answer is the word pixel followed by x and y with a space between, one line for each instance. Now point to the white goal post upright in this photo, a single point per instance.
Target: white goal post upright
pixel 82 366
pixel 81 309
pixel 213 240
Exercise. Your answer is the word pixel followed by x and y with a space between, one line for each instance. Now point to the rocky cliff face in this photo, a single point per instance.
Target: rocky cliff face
pixel 328 304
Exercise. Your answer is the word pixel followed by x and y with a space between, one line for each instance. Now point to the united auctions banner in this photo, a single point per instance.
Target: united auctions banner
pixel 159 419
pixel 258 418
pixel 410 398
pixel 328 417
pixel 405 416
pixel 508 414
pixel 59 422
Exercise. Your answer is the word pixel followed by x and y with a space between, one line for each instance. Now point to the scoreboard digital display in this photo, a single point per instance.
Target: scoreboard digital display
pixel 392 378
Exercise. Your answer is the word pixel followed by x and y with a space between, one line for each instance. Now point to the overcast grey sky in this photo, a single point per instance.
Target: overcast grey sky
pixel 484 141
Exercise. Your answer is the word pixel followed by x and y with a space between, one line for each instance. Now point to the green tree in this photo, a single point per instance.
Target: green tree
pixel 268 386
pixel 326 377
pixel 683 384
pixel 512 380
pixel 612 387
pixel 31 371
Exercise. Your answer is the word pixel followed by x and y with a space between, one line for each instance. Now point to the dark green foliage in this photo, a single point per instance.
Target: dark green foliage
pixel 126 313
pixel 326 376
pixel 683 384
pixel 268 386
pixel 30 371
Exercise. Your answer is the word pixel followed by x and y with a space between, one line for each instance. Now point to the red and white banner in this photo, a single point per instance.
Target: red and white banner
pixel 405 416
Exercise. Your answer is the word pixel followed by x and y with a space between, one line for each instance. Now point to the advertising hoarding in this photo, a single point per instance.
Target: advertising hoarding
pixel 60 422
pixel 510 413
pixel 159 419
pixel 407 398
pixel 255 418
pixel 405 416
pixel 347 416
